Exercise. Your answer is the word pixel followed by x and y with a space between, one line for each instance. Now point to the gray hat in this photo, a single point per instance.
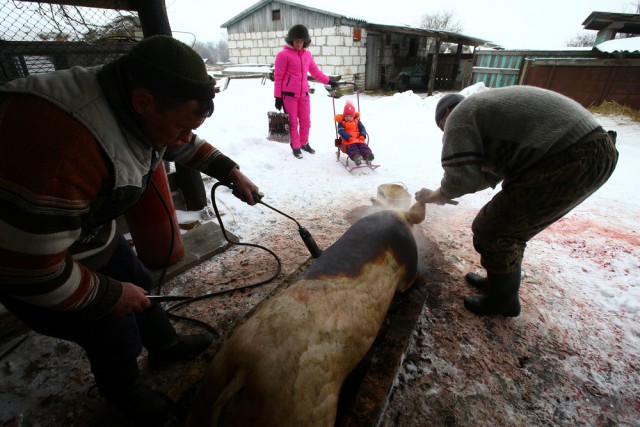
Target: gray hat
pixel 170 67
pixel 449 100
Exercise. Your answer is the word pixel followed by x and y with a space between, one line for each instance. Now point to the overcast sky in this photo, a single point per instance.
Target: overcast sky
pixel 513 24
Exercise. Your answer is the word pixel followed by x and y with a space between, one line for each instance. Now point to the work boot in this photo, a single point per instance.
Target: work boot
pixel 477 281
pixel 138 402
pixel 502 296
pixel 306 147
pixel 144 406
pixel 162 342
pixel 357 159
pixel 297 153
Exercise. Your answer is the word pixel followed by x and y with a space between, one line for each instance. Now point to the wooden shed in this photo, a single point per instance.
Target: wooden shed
pixel 371 55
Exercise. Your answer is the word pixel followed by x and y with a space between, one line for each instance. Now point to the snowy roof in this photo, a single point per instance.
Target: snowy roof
pixel 627 45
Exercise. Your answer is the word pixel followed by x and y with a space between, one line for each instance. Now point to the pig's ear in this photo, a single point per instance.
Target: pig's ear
pixel 416 213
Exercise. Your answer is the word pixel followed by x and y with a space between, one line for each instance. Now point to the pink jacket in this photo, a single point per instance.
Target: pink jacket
pixel 290 73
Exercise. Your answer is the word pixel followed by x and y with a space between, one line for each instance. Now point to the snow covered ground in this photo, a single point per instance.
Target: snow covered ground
pixel 571 358
pixel 595 246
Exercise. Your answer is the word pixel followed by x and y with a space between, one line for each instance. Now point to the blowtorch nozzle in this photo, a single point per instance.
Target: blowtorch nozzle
pixel 311 245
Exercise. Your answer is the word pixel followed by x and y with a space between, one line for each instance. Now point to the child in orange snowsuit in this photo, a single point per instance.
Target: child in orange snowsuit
pixel 353 134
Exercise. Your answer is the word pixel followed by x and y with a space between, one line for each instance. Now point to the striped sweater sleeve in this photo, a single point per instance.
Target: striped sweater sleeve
pixel 49 174
pixel 200 155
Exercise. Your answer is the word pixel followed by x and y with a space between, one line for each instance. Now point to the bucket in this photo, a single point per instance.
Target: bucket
pixel 394 196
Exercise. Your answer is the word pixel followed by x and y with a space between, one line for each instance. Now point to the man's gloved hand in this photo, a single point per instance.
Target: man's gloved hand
pixel 333 84
pixel 279 104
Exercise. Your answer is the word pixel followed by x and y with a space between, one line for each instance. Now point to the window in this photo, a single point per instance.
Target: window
pixel 275 15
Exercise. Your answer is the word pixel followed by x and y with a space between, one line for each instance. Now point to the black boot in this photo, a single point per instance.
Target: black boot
pixel 306 147
pixel 477 281
pixel 122 388
pixel 162 342
pixel 502 296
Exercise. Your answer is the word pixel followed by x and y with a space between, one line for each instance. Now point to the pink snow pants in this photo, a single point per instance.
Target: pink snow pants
pixel 299 111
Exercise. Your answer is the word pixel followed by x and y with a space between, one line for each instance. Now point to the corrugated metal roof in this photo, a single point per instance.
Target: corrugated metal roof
pixel 377 23
pixel 626 45
pixel 263 3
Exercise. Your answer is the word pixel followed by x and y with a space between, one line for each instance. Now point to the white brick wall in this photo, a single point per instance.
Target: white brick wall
pixel 333 49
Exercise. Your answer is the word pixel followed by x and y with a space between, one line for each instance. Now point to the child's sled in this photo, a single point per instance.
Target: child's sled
pixel 341 148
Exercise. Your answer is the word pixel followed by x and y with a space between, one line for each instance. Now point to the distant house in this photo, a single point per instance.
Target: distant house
pixel 371 55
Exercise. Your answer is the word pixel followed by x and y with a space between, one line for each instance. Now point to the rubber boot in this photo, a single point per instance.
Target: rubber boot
pixel 122 388
pixel 479 282
pixel 502 296
pixel 162 342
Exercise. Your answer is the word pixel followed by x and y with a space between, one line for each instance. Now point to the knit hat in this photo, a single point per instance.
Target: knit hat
pixel 169 67
pixel 298 31
pixel 449 100
pixel 349 110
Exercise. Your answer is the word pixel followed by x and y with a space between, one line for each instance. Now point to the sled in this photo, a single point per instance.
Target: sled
pixel 348 163
pixel 341 148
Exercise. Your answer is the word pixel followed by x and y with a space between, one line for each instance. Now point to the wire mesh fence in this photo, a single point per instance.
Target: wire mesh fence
pixel 39 37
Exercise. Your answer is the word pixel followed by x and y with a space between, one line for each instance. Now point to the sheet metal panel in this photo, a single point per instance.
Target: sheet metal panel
pixel 588 81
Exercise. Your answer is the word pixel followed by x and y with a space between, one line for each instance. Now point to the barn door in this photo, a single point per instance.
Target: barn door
pixel 372 79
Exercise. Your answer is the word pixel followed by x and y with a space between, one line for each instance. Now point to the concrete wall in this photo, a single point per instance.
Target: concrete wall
pixel 333 48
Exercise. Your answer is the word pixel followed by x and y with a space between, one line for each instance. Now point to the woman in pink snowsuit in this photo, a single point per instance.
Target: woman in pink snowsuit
pixel 291 87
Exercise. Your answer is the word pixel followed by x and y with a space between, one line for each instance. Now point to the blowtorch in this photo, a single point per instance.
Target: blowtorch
pixel 311 245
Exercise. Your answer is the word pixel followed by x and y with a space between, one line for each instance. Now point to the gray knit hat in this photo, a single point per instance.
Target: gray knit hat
pixel 169 67
pixel 298 31
pixel 449 100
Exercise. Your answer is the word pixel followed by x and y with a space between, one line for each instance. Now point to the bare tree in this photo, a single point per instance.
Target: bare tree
pixel 582 39
pixel 213 52
pixel 223 51
pixel 443 20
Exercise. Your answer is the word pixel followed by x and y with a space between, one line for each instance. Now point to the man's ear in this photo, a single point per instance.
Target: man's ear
pixel 142 101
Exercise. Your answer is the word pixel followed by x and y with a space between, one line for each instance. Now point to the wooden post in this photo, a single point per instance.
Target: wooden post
pixel 434 68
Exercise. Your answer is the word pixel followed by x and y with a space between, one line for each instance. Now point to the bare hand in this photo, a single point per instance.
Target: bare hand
pixel 432 196
pixel 243 187
pixel 133 299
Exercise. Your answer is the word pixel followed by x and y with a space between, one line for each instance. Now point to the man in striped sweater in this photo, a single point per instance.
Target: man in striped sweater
pixel 77 149
pixel 550 155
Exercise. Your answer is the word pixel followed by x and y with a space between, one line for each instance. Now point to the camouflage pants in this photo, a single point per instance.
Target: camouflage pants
pixel 532 201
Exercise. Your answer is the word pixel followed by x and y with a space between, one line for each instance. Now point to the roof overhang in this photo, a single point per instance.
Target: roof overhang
pixel 443 36
pixel 628 23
